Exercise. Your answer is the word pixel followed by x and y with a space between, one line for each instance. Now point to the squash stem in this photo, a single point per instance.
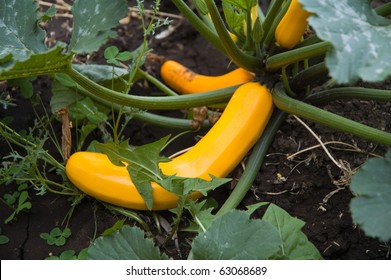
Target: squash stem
pixel 165 89
pixel 309 75
pixel 312 113
pixel 200 25
pixel 155 102
pixel 254 163
pixel 278 61
pixel 333 94
pixel 241 59
pixel 384 10
pixel 146 117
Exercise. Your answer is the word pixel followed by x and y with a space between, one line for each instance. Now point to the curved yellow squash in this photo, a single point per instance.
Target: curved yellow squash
pixel 292 26
pixel 217 153
pixel 185 81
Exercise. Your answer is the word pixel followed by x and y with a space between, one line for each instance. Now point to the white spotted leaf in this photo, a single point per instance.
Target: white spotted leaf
pixel 360 39
pixel 23 52
pixel 93 21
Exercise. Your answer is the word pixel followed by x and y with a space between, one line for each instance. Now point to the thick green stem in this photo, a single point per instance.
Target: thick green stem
pixel 308 76
pixel 198 24
pixel 384 10
pixel 152 103
pixel 278 61
pixel 312 113
pixel 146 117
pixel 239 57
pixel 254 163
pixel 333 94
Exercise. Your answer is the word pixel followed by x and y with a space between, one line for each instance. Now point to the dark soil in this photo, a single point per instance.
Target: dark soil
pixel 309 186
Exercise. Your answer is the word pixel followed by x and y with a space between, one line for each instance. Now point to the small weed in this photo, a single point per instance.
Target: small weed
pixel 56 236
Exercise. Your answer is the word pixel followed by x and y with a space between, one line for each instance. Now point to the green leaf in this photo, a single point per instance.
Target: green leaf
pixel 46 62
pixel 4 239
pixel 202 215
pixel 128 243
pixel 243 4
pixel 20 34
pixel 23 52
pixel 68 255
pixel 234 18
pixel 118 225
pixel 143 164
pixel 371 208
pixel 111 52
pixel 25 85
pixel 295 244
pixel 49 14
pixel 359 36
pixel 93 21
pixel 234 236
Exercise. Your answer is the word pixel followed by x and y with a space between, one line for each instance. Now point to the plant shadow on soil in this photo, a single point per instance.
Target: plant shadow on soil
pixel 306 186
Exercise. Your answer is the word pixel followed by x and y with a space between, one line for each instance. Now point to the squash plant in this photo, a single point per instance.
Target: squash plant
pixel 247 36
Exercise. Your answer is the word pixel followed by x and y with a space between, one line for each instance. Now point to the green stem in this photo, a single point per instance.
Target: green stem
pixel 198 24
pixel 129 214
pixel 254 163
pixel 312 113
pixel 278 61
pixel 146 117
pixel 152 103
pixel 165 89
pixel 333 94
pixel 384 10
pixel 314 39
pixel 240 58
pixel 167 122
pixel 14 137
pixel 308 76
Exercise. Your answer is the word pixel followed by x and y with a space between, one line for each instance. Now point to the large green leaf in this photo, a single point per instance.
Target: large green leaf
pixel 295 244
pixel 23 52
pixel 51 61
pixel 360 38
pixel 235 236
pixel 128 243
pixel 93 21
pixel 20 34
pixel 371 208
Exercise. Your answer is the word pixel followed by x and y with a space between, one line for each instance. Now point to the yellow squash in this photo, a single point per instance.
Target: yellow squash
pixel 185 81
pixel 217 153
pixel 292 26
